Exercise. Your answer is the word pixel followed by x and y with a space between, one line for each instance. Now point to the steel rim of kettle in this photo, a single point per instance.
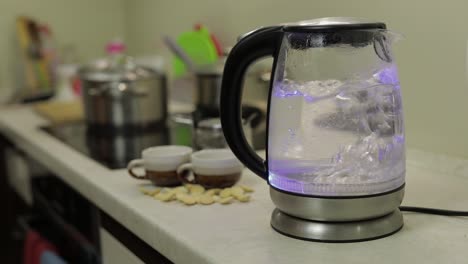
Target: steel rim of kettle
pixel 337 232
pixel 335 209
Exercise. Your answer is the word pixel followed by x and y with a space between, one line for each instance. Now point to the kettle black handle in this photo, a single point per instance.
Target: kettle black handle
pixel 257 44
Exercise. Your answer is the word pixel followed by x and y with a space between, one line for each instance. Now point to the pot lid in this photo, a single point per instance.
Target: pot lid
pixel 210 123
pixel 116 69
pixel 332 24
pixel 182 118
pixel 215 123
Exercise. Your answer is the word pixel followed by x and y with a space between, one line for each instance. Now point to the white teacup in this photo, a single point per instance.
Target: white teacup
pixel 212 168
pixel 160 164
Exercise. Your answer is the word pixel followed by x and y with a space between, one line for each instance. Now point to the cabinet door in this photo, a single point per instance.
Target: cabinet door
pixel 19 175
pixel 114 252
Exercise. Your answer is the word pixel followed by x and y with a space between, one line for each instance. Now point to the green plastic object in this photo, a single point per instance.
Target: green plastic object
pixel 198 46
pixel 183 136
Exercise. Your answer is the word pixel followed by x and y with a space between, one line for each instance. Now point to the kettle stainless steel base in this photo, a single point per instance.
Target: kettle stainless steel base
pixel 335 219
pixel 337 231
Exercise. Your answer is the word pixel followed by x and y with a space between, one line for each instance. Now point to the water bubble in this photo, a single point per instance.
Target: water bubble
pixel 291 132
pixel 367 112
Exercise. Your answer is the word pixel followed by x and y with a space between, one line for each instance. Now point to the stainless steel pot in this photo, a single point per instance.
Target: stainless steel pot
pixel 208 89
pixel 208 83
pixel 209 134
pixel 123 94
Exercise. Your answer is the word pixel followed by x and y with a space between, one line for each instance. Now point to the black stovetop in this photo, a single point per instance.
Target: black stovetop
pixel 113 150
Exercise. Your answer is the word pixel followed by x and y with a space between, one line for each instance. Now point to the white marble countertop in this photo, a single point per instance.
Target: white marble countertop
pixel 241 233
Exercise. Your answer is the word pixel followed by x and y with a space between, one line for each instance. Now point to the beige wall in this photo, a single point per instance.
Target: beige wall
pixel 85 24
pixel 431 60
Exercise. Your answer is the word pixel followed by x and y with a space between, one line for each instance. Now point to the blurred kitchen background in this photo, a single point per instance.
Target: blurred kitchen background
pixel 432 59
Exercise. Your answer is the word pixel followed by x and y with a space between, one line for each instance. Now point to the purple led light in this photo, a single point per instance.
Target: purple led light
pixel 388 75
pixel 371 163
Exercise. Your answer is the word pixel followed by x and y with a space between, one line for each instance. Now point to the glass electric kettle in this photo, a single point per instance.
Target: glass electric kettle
pixel 335 144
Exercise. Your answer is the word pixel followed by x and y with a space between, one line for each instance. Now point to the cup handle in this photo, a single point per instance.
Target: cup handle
pixel 182 173
pixel 133 164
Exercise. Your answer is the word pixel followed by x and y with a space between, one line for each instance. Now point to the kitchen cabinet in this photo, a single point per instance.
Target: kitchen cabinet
pixel 158 232
pixel 37 198
pixel 42 203
pixel 114 252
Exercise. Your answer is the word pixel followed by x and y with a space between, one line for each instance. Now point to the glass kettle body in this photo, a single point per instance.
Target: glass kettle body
pixel 335 123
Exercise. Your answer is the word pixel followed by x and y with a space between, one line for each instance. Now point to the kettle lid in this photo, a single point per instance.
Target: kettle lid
pixel 333 23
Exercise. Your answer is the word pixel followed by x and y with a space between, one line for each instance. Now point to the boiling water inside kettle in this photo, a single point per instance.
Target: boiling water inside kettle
pixel 336 137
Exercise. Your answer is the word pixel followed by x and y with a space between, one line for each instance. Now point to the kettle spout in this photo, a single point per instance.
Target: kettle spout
pixel 393 36
pixel 383 42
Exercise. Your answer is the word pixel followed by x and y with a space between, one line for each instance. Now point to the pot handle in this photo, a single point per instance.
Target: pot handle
pixel 257 44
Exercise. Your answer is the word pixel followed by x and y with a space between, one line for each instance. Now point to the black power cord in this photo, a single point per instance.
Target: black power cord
pixel 433 211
